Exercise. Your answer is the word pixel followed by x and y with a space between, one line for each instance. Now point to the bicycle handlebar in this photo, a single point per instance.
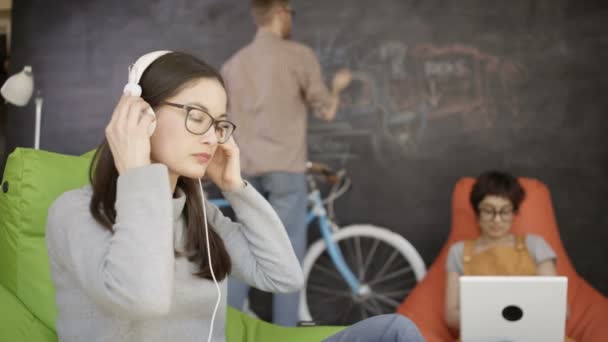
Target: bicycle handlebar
pixel 331 176
pixel 337 180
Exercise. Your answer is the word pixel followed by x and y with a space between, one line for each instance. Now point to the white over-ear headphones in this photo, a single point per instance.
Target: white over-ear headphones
pixel 136 70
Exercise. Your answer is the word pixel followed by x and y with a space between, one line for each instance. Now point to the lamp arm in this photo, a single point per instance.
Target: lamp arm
pixel 38 101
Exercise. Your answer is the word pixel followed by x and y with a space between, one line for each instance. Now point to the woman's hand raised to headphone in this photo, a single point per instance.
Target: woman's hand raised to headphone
pixel 128 133
pixel 225 167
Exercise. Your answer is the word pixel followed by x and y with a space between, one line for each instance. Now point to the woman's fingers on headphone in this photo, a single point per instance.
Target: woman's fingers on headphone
pixel 231 141
pixel 124 108
pixel 132 116
pixel 147 120
pixel 140 115
pixel 118 114
pixel 129 114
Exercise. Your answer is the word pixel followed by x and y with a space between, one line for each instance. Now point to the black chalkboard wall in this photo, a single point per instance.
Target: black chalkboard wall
pixel 443 89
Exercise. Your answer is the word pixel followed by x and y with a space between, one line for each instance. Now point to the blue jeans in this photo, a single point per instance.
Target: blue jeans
pixel 288 195
pixel 383 328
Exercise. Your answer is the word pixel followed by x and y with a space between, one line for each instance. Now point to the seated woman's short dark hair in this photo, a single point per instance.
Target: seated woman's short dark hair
pixel 497 183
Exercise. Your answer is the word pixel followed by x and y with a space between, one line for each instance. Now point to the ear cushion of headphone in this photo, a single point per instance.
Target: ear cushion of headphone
pixel 132 89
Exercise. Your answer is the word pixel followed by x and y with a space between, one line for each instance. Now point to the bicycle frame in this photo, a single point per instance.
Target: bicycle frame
pixel 318 212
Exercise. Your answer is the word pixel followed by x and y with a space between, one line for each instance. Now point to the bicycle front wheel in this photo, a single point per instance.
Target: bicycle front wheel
pixel 385 263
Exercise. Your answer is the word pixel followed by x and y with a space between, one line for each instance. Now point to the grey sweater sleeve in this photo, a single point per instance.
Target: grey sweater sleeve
pixel 454 262
pixel 128 272
pixel 258 244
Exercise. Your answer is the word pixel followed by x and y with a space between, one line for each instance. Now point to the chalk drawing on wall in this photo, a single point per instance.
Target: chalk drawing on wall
pixel 400 91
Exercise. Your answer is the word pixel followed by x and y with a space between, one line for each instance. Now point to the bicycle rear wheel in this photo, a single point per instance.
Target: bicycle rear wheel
pixel 384 262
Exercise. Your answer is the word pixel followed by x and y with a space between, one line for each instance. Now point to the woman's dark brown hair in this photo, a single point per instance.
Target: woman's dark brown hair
pixel 164 78
pixel 499 184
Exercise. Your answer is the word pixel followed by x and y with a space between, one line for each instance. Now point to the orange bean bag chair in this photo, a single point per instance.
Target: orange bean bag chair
pixel 588 320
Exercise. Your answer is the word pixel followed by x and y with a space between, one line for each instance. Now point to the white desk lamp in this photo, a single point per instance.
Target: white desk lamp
pixel 18 90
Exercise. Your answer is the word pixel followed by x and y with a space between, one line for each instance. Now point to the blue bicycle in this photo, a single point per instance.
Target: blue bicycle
pixel 353 272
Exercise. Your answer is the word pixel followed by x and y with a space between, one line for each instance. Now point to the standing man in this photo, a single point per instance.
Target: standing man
pixel 271 83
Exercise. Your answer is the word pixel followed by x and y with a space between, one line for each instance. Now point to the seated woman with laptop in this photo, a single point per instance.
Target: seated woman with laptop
pixel 496 198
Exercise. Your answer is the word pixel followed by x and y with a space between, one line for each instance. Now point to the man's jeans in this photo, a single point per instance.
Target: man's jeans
pixel 383 328
pixel 287 193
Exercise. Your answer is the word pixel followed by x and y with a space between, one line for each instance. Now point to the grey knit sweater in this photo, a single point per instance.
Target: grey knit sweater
pixel 130 286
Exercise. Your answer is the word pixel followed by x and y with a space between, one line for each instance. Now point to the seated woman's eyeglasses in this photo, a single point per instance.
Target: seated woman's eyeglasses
pixel 199 122
pixel 489 214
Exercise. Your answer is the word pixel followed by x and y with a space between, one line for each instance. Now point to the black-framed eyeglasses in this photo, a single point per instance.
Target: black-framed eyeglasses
pixel 489 214
pixel 198 122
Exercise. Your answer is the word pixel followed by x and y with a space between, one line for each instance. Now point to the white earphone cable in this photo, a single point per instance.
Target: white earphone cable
pixel 217 286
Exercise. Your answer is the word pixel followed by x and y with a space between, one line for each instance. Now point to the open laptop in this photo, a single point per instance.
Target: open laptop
pixel 513 308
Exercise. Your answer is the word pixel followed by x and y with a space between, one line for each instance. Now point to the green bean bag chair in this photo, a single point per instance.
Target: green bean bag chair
pixel 32 180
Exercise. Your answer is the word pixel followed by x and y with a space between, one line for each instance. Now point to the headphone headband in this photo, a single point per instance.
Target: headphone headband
pixel 137 69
